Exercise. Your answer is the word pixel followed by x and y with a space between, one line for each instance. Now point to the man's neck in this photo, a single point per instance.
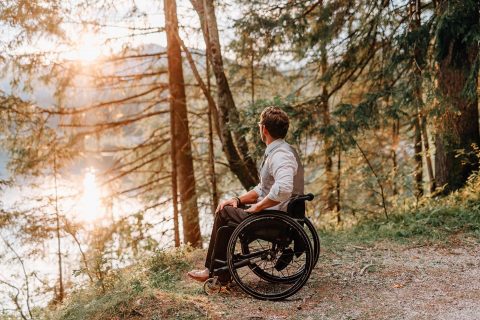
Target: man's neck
pixel 269 140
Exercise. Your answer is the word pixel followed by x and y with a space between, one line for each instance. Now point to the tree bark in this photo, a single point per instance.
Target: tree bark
pixel 186 177
pixel 338 186
pixel 418 158
pixel 428 158
pixel 61 291
pixel 329 188
pixel 174 187
pixel 417 64
pixel 252 72
pixel 457 125
pixel 235 146
pixel 415 24
pixel 211 155
pixel 395 139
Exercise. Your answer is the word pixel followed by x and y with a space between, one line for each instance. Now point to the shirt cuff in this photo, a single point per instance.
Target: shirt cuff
pixel 258 190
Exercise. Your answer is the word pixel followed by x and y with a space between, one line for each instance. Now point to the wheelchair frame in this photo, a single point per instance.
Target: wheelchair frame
pixel 296 237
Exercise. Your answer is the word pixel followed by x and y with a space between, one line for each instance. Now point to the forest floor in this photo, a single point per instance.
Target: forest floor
pixel 423 280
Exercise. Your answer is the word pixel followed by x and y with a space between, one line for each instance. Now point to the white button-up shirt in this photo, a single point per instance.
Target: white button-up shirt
pixel 281 174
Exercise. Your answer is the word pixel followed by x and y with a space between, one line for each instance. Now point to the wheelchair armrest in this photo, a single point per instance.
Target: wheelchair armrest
pixel 296 205
pixel 304 197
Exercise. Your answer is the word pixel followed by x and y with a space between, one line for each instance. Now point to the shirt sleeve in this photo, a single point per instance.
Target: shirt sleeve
pixel 283 168
pixel 258 189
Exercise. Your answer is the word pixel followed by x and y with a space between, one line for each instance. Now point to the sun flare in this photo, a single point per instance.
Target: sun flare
pixel 88 48
pixel 90 205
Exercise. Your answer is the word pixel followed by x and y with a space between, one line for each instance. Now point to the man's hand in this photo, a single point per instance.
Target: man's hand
pixel 254 208
pixel 230 202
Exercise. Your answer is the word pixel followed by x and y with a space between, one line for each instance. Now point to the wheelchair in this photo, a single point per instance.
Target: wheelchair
pixel 270 254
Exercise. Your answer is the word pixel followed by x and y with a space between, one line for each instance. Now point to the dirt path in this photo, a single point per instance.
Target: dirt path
pixel 399 282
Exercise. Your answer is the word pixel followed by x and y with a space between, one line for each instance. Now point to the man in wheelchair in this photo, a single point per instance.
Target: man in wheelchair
pixel 281 178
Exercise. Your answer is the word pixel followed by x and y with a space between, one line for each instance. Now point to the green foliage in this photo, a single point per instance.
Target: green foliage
pixel 166 267
pixel 458 26
pixel 433 219
pixel 458 35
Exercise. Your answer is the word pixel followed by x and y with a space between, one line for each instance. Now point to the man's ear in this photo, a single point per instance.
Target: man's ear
pixel 265 131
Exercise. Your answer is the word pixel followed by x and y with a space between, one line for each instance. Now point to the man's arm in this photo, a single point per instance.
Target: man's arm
pixel 249 197
pixel 264 204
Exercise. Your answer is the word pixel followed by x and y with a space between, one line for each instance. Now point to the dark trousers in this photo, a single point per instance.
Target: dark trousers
pixel 217 248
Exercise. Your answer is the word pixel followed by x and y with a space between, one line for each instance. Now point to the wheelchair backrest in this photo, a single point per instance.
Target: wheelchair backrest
pixel 296 207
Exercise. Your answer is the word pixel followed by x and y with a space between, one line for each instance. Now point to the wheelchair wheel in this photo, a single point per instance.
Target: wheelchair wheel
pixel 265 251
pixel 312 236
pixel 315 240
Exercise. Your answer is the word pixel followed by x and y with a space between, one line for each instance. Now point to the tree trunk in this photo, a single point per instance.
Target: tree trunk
pixel 252 72
pixel 338 186
pixel 418 158
pixel 415 24
pixel 61 291
pixel 329 188
pixel 457 125
pixel 211 155
pixel 186 177
pixel 419 59
pixel 173 160
pixel 426 146
pixel 395 139
pixel 235 147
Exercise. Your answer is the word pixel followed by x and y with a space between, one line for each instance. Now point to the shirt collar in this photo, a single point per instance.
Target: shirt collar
pixel 272 145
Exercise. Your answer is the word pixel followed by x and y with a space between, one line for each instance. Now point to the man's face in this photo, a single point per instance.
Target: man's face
pixel 262 135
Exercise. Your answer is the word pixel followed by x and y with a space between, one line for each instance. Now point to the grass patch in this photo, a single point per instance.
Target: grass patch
pixel 146 290
pixel 434 220
pixel 165 268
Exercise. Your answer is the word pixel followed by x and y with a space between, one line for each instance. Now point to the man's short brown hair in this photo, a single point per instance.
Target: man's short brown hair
pixel 276 121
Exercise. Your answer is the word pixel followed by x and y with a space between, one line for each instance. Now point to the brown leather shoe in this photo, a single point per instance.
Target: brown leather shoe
pixel 198 275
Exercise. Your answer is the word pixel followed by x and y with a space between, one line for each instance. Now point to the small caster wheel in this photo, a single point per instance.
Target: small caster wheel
pixel 212 286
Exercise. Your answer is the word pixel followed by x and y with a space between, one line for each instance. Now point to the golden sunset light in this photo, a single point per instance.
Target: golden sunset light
pixel 88 48
pixel 90 207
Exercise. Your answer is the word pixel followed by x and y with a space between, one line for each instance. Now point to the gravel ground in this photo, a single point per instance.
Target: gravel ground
pixel 399 281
